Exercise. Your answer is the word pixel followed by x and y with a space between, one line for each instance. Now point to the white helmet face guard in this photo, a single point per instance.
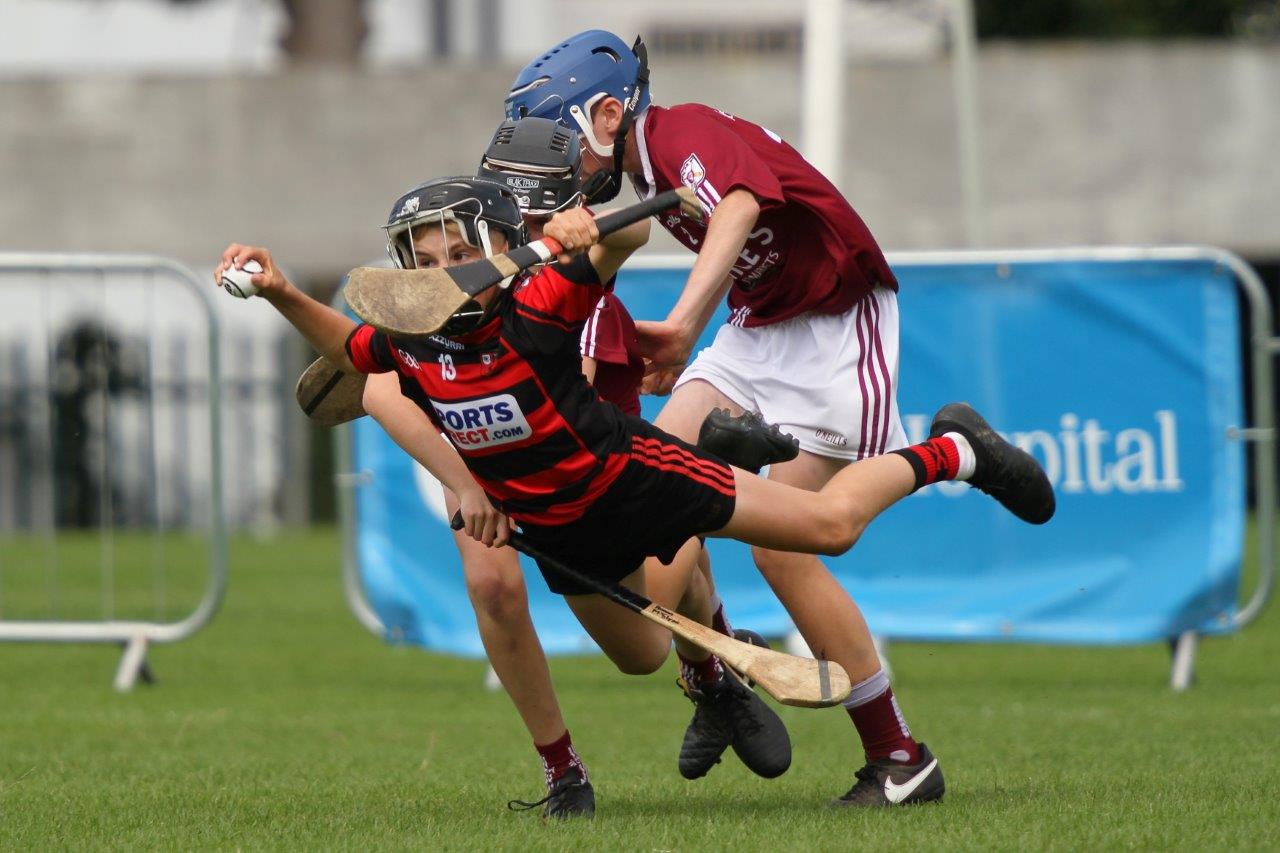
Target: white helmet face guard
pixel 400 235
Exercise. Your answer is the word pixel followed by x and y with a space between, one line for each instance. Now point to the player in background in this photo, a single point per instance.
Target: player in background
pixel 535 148
pixel 812 338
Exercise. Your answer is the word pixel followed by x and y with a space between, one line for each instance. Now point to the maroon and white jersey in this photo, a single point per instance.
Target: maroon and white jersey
pixel 809 250
pixel 609 337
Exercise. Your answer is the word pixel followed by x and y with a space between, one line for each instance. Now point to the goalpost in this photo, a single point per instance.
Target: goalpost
pixel 824 72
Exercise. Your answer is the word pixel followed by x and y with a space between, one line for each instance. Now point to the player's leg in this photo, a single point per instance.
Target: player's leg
pixel 497 591
pixel 636 645
pixel 727 712
pixel 819 606
pixel 777 516
pixel 682 416
pixel 781 517
pixel 962 446
pixel 833 626
pixel 717 723
pixel 499 598
pixel 840 404
pixel 683 413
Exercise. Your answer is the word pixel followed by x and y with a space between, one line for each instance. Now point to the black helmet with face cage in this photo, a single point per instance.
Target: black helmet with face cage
pixel 539 160
pixel 475 205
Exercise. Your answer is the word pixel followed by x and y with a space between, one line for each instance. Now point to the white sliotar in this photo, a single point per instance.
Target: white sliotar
pixel 236 281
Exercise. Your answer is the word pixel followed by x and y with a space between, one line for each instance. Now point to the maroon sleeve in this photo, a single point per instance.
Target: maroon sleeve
pixel 370 350
pixel 706 155
pixel 605 334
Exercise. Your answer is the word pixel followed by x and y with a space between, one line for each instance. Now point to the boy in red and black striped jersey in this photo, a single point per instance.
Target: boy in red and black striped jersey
pixel 508 392
pixel 546 161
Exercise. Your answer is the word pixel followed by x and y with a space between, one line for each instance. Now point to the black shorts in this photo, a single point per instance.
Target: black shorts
pixel 667 493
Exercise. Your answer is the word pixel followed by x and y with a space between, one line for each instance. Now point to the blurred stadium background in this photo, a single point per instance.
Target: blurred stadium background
pixel 171 128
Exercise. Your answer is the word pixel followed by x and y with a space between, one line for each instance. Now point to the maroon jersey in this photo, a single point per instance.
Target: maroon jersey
pixel 609 337
pixel 511 397
pixel 809 250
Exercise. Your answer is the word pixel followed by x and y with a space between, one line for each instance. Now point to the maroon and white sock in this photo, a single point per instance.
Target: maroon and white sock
pixel 698 672
pixel 558 756
pixel 719 620
pixel 947 457
pixel 879 722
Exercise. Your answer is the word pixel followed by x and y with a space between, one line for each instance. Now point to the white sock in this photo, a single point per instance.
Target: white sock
pixel 869 688
pixel 965 452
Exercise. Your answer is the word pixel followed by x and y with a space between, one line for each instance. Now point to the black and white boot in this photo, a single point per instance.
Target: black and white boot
pixel 885 783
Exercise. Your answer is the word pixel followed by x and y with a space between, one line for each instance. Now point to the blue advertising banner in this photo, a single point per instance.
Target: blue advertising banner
pixel 1122 376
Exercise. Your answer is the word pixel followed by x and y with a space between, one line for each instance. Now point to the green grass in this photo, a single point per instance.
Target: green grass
pixel 284 725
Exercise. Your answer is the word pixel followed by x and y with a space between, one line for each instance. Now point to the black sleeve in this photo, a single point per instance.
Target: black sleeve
pixel 579 270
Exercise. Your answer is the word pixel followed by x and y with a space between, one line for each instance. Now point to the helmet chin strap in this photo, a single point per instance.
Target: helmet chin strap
pixel 604 186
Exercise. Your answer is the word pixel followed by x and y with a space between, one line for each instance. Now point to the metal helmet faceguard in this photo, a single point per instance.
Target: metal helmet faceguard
pixel 476 206
pixel 538 160
pixel 572 77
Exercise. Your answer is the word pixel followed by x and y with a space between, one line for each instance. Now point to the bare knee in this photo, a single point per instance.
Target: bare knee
pixel 644 661
pixel 840 534
pixel 770 563
pixel 499 595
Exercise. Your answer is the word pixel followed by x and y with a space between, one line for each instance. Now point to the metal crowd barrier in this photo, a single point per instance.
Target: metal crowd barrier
pixel 134 635
pixel 1263 346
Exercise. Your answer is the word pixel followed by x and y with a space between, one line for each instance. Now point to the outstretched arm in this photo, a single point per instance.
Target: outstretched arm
pixel 324 328
pixel 667 343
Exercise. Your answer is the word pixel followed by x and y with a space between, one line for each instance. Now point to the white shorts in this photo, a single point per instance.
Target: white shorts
pixel 829 380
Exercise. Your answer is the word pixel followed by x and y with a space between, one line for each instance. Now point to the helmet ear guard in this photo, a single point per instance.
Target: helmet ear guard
pixel 604 186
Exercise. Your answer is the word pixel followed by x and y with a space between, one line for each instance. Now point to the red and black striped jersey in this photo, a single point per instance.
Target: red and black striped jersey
pixel 512 399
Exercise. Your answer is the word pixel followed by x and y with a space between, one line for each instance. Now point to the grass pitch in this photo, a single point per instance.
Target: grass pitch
pixel 285 725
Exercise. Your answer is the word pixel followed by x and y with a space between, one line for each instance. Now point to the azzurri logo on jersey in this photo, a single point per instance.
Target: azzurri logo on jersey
pixel 485 422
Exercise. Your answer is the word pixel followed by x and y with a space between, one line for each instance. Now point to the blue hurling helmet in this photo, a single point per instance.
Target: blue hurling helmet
pixel 569 79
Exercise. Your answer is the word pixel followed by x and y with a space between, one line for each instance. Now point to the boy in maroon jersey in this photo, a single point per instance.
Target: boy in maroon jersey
pixel 575 473
pixel 812 339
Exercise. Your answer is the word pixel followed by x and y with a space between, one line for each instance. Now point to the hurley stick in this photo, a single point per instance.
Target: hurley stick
pixel 416 303
pixel 802 682
pixel 329 395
